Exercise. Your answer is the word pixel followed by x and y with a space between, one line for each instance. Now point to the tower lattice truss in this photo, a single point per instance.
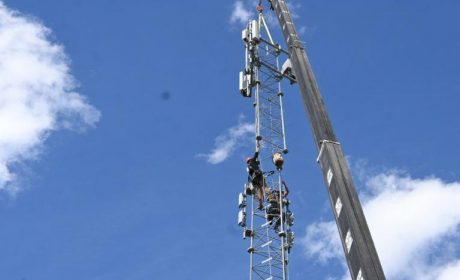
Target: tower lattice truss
pixel 268 228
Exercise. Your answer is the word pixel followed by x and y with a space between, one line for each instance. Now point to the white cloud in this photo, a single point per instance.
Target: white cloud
pixel 37 93
pixel 241 14
pixel 414 223
pixel 450 271
pixel 228 142
pixel 317 246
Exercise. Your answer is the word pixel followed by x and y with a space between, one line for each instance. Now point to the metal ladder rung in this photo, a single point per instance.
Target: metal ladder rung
pixel 266 224
pixel 267 260
pixel 266 244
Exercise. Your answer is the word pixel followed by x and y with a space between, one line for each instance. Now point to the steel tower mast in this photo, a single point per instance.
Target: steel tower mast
pixel 269 228
pixel 361 255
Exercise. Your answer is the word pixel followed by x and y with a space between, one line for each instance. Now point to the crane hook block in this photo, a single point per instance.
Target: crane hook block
pixel 260 8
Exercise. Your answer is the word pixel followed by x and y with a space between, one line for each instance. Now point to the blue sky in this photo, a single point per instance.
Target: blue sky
pixel 107 184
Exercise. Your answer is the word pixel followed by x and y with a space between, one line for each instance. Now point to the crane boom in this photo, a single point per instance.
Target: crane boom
pixel 359 248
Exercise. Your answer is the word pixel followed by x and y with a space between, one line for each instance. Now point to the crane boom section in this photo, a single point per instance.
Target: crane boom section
pixel 359 248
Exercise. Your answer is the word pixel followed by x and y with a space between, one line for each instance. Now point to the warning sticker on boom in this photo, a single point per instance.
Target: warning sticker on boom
pixel 329 177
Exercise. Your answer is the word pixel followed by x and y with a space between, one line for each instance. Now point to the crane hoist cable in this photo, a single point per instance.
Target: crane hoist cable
pixel 263 23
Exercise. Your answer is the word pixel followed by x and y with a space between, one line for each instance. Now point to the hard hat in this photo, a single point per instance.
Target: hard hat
pixel 278 160
pixel 248 159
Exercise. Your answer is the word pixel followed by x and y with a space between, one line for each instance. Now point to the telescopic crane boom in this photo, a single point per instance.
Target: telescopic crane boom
pixel 360 252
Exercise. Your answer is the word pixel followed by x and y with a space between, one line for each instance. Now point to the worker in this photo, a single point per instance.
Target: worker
pixel 274 209
pixel 256 177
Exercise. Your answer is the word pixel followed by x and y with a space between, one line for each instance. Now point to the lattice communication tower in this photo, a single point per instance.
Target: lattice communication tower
pixel 268 228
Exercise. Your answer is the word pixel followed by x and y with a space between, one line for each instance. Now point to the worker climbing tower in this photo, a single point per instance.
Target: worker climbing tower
pixel 261 80
pixel 266 220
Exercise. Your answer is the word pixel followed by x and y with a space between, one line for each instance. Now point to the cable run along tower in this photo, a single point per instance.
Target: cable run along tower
pixel 268 227
pixel 358 246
